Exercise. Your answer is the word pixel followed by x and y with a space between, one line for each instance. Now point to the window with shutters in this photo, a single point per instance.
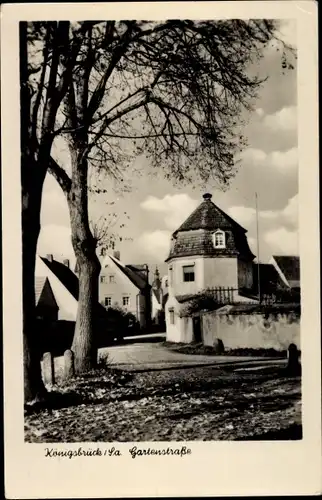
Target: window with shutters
pixel 188 273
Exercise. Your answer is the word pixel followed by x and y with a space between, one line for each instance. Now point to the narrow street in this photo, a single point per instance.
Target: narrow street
pixel 148 356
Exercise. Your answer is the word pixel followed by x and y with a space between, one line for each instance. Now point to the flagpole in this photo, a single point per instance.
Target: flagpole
pixel 258 270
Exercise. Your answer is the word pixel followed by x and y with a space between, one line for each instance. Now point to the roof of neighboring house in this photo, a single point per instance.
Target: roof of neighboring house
pixel 208 216
pixel 164 299
pixel 43 293
pixel 134 276
pixel 140 269
pixel 194 236
pixel 67 278
pixel 269 278
pixel 39 285
pixel 64 274
pixel 290 267
pixel 158 295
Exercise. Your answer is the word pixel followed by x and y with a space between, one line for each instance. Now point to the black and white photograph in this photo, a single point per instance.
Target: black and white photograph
pixel 161 265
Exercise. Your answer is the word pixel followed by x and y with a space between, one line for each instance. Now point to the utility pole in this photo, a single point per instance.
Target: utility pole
pixel 258 268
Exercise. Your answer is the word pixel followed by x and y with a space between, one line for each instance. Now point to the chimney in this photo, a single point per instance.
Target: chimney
pixel 66 262
pixel 116 255
pixel 49 257
pixel 207 196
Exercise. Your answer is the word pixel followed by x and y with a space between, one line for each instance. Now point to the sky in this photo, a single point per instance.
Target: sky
pixel 154 207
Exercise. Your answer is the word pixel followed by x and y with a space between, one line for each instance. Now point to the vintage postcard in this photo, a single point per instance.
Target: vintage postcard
pixel 161 249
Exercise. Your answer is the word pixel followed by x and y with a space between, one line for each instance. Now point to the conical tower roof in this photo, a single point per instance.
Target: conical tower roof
pixel 195 235
pixel 208 216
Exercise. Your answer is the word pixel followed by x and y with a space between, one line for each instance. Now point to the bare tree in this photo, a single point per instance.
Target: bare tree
pixel 173 90
pixel 43 85
pixel 106 231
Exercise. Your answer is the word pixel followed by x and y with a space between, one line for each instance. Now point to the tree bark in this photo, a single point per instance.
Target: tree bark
pixel 85 337
pixel 32 179
pixel 34 389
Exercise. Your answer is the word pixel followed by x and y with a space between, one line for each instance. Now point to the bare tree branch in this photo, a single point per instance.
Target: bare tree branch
pixel 60 175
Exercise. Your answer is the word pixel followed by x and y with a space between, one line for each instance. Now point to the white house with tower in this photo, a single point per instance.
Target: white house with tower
pixel 209 250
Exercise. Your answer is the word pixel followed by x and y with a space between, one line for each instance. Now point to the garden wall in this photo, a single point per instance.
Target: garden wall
pixel 254 330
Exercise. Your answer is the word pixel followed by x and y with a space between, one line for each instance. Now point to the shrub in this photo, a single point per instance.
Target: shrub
pixel 205 300
pixel 122 321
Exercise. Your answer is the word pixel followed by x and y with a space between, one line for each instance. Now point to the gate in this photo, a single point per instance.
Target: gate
pixel 196 328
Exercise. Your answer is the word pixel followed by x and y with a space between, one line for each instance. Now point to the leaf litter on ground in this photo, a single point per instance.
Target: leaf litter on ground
pixel 201 403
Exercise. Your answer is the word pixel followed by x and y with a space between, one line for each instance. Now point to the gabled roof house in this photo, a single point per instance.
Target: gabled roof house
pixel 126 286
pixel 64 285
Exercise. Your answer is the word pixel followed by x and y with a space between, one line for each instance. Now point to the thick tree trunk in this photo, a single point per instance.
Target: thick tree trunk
pixel 34 389
pixel 85 337
pixel 32 178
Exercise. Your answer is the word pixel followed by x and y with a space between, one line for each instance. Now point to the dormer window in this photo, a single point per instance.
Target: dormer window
pixel 219 239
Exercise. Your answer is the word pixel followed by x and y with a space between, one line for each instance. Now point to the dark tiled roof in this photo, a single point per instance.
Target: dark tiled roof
pixel 200 242
pixel 290 267
pixel 269 278
pixel 68 279
pixel 44 294
pixel 39 285
pixel 208 216
pixel 136 278
pixel 137 267
pixel 140 269
pixel 65 276
pixel 194 236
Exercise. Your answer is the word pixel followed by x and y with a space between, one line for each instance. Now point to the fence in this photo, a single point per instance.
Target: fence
pixel 224 295
pixel 229 295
